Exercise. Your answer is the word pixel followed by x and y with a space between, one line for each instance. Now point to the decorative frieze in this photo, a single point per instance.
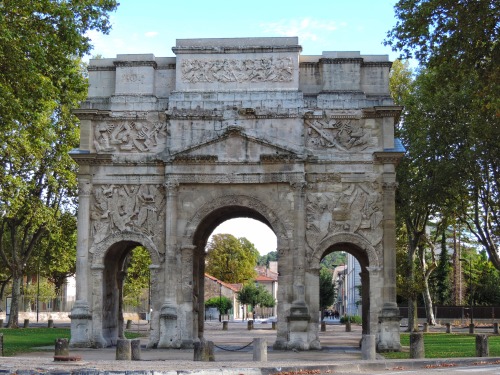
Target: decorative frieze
pixel 129 136
pixel 357 208
pixel 124 208
pixel 342 134
pixel 266 69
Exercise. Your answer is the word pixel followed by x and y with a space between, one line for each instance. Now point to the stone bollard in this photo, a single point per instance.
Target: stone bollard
pixel 204 351
pixel 50 323
pixel 135 349
pixel 129 324
pixel 482 347
pixel 61 348
pixel 348 326
pixel 323 326
pixel 273 326
pixel 123 350
pixel 448 327
pixel 1 323
pixel 26 323
pixel 368 347
pixel 250 324
pixel 417 345
pixel 471 328
pixel 426 327
pixel 495 328
pixel 224 325
pixel 259 350
pixel 1 344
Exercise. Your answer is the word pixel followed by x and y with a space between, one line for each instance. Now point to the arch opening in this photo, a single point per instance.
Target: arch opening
pixel 218 222
pixel 117 260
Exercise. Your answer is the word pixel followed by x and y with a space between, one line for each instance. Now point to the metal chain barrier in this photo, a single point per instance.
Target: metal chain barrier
pixel 233 350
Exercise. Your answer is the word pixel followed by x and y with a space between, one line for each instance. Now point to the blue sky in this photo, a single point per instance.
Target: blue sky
pixel 152 26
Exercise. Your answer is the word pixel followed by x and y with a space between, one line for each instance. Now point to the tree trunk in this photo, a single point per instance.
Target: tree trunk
pixel 412 315
pixel 17 279
pixel 429 311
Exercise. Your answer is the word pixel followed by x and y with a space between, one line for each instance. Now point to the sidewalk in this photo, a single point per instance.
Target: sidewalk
pixel 340 353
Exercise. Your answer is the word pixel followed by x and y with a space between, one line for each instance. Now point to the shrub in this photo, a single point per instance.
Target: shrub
pixel 355 319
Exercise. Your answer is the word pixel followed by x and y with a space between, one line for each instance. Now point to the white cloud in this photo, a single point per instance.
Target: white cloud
pixel 305 28
pixel 151 34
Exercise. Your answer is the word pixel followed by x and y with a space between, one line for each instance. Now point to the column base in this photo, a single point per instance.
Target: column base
pixel 388 338
pixel 81 326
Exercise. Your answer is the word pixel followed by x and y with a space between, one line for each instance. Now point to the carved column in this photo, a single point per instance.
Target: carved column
pixel 157 282
pixel 389 317
pixel 169 327
pixel 190 323
pixel 98 340
pixel 80 316
pixel 299 317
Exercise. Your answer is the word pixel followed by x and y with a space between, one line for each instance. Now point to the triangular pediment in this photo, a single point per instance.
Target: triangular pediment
pixel 235 146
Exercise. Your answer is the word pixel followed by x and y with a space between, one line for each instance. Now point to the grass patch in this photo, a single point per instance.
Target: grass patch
pixel 25 340
pixel 447 345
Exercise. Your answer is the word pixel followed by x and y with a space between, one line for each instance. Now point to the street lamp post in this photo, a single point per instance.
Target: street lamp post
pixel 471 302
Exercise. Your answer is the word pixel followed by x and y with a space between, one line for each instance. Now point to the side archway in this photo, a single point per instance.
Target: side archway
pixel 369 261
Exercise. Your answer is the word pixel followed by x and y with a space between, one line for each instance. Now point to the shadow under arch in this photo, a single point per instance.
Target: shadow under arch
pixel 109 265
pixel 367 257
pixel 213 213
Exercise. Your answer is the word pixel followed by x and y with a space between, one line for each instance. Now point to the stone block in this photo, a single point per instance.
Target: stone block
pixel 61 347
pixel 448 328
pixel 135 349
pixel 123 350
pixel 417 349
pixel 495 328
pixel 482 346
pixel 26 323
pixel 259 350
pixel 204 351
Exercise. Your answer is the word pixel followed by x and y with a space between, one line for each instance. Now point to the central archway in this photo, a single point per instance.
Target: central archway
pixel 211 215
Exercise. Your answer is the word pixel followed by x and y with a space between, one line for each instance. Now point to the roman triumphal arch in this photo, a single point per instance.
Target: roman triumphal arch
pixel 172 146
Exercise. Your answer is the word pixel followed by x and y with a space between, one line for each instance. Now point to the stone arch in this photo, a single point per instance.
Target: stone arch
pixel 348 238
pixel 100 250
pixel 248 203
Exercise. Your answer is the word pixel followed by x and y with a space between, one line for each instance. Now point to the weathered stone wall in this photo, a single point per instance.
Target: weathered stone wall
pixel 172 147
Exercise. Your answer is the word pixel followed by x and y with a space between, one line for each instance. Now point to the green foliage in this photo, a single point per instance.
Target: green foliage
pixel 231 259
pixel 41 82
pixel 136 282
pixel 44 290
pixel 445 345
pixel 441 278
pixel 224 304
pixel 264 260
pixel 454 109
pixel 326 288
pixel 354 319
pixel 334 259
pixel 255 295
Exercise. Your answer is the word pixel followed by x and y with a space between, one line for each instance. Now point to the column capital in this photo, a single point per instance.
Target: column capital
pixel 84 188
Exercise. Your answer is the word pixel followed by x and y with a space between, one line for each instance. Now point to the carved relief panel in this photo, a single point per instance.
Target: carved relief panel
pixel 129 136
pixel 132 208
pixel 269 69
pixel 342 134
pixel 355 208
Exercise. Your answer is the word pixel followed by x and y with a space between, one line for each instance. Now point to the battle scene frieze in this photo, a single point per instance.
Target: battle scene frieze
pixel 356 208
pixel 129 136
pixel 342 134
pixel 127 208
pixel 270 69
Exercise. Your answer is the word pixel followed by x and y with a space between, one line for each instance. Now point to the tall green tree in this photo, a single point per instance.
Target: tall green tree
pixel 231 259
pixel 459 42
pixel 41 81
pixel 255 295
pixel 136 283
pixel 441 279
pixel 326 289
